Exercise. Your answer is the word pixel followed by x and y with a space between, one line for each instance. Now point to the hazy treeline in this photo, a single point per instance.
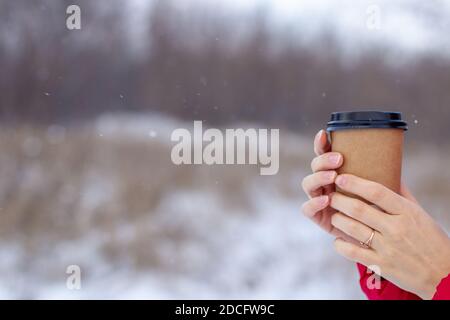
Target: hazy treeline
pixel 199 63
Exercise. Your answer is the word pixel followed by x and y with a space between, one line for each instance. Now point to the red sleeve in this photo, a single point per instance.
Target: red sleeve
pixel 443 289
pixel 387 290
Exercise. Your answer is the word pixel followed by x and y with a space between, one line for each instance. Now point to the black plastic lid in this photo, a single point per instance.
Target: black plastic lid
pixel 366 120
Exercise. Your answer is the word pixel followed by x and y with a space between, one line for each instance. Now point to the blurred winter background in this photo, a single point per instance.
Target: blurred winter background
pixel 86 117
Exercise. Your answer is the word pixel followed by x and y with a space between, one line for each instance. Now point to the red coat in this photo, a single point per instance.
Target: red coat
pixel 389 291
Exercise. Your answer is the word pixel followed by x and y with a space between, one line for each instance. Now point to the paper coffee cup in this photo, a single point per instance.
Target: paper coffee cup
pixel 371 143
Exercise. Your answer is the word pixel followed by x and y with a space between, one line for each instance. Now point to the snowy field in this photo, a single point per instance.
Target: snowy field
pixel 105 196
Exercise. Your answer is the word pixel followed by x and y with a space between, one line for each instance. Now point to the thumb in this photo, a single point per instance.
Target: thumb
pixel 321 143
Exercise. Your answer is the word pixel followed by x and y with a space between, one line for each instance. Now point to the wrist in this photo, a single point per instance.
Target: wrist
pixel 435 276
pixel 430 286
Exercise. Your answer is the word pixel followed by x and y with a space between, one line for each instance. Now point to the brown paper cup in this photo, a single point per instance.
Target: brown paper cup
pixel 371 144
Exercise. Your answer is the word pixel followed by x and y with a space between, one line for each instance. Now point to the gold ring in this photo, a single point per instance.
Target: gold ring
pixel 368 242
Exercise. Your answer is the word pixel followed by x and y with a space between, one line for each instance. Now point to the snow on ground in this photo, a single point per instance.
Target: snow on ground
pixel 208 245
pixel 274 254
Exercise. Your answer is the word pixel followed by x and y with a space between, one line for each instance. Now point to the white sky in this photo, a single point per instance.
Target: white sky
pixel 402 22
pixel 415 25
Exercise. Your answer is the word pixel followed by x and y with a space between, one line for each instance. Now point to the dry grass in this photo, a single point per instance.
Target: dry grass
pixel 54 192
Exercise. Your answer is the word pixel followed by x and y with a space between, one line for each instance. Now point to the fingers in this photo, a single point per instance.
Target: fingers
pixel 373 192
pixel 360 211
pixel 355 253
pixel 314 182
pixel 321 143
pixel 314 205
pixel 326 161
pixel 355 229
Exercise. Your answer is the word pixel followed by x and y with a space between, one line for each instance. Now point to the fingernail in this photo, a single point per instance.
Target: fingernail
pixel 319 134
pixel 330 175
pixel 340 181
pixel 335 158
pixel 323 200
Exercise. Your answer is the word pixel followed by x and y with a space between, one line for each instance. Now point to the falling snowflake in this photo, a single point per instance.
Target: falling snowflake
pixel 152 134
pixel 416 121
pixel 47 94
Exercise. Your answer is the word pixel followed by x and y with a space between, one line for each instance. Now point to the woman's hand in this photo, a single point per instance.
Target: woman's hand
pixel 408 247
pixel 320 184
